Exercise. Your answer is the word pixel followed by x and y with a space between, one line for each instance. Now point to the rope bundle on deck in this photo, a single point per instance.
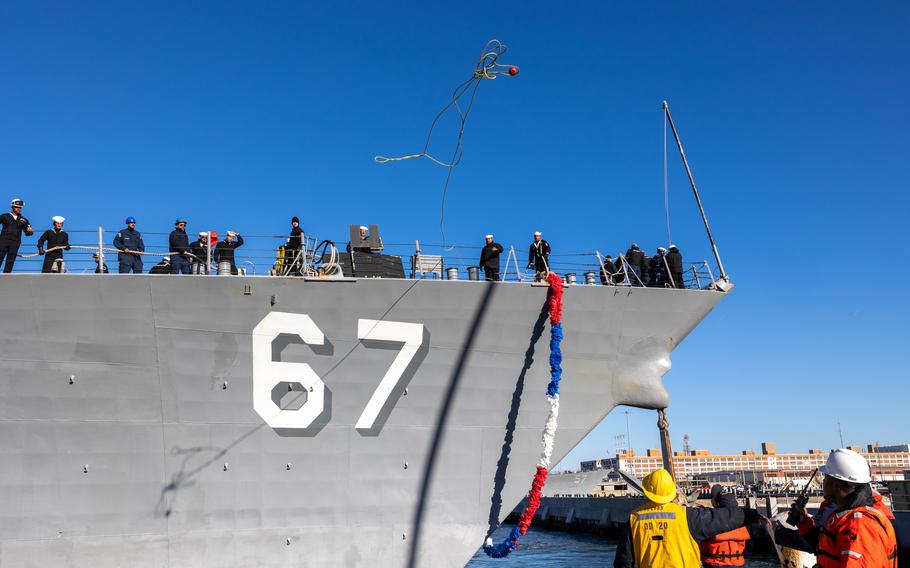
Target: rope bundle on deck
pixel 507 546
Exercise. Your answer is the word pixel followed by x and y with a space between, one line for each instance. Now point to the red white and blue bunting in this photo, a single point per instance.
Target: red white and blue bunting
pixel 504 548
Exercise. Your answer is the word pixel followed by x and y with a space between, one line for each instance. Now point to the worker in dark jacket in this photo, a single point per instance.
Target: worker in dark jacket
pixel 14 224
pixel 608 271
pixel 292 256
pixel 663 533
pixel 675 260
pixel 489 259
pixel 200 251
pixel 539 255
pixel 634 258
pixel 224 251
pixel 53 238
pixel 163 266
pixel 100 265
pixel 179 244
pixel 647 271
pixel 659 269
pixel 129 242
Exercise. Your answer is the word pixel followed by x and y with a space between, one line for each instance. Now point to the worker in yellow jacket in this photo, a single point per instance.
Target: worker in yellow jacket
pixel 664 534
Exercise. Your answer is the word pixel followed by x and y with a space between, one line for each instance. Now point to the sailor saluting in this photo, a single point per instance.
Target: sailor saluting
pixel 539 255
pixel 14 224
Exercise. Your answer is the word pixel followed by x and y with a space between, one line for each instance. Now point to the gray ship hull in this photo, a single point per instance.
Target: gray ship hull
pixel 129 436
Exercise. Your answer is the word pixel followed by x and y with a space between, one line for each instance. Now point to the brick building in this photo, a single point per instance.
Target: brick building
pixel 885 465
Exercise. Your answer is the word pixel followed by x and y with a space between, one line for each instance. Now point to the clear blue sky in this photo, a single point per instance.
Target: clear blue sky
pixel 238 115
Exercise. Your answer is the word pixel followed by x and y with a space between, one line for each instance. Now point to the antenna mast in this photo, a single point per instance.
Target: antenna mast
pixel 704 217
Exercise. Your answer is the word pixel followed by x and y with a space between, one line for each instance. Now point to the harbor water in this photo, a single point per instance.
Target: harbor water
pixel 554 549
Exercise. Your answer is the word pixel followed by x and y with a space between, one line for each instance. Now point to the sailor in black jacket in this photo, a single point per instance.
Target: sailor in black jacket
pixel 200 251
pixel 224 251
pixel 634 258
pixel 14 224
pixel 129 239
pixel 55 238
pixel 539 255
pixel 489 259
pixel 179 246
pixel 675 260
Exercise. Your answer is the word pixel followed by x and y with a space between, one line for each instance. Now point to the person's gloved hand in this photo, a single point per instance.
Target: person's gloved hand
pixel 530 265
pixel 41 251
pixel 68 247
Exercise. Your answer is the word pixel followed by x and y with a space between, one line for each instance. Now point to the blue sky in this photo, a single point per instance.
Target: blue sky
pixel 238 115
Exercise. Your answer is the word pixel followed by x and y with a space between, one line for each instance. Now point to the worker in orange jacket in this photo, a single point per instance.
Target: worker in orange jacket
pixel 853 528
pixel 725 549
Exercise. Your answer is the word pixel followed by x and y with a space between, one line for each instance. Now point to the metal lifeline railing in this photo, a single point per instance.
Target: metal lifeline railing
pixel 260 256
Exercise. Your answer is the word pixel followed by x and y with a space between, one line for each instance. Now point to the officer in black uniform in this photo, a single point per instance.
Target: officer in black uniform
pixel 634 257
pixel 129 241
pixel 14 224
pixel 100 265
pixel 224 251
pixel 179 244
pixel 647 271
pixel 608 272
pixel 489 259
pixel 293 246
pixel 659 274
pixel 675 260
pixel 199 250
pixel 54 238
pixel 163 266
pixel 539 255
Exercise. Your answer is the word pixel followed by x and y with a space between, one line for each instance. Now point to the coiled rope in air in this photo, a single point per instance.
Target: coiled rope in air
pixel 488 67
pixel 507 546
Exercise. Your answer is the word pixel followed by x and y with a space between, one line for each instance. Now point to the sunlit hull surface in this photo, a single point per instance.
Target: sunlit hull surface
pixel 129 437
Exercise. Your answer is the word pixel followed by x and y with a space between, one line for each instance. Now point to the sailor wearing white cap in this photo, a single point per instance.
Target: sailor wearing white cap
pixel 55 240
pixel 489 259
pixel 539 255
pixel 224 251
pixel 659 270
pixel 200 251
pixel 14 224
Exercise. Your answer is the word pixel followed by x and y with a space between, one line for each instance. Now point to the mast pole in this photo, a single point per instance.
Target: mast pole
pixel 704 217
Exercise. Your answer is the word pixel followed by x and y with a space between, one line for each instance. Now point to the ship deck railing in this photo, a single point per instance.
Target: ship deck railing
pixel 257 257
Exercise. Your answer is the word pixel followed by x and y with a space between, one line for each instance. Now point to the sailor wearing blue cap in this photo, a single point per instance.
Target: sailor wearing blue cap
pixel 129 242
pixel 180 248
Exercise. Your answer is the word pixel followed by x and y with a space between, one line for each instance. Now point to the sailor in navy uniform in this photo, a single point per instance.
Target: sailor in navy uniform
pixel 489 259
pixel 54 238
pixel 14 224
pixel 539 255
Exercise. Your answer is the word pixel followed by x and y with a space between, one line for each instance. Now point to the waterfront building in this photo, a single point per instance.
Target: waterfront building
pixel 886 465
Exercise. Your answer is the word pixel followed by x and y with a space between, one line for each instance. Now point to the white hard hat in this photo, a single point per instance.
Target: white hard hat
pixel 57 219
pixel 232 234
pixel 363 228
pixel 847 465
pixel 17 202
pixel 536 233
pixel 488 236
pixel 202 233
pixel 662 249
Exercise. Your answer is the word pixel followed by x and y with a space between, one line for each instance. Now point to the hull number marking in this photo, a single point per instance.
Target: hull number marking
pixel 268 373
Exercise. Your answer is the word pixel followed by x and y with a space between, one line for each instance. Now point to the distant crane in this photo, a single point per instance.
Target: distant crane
pixel 686 444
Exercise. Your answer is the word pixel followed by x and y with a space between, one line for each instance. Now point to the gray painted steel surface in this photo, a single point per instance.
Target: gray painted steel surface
pixel 145 459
